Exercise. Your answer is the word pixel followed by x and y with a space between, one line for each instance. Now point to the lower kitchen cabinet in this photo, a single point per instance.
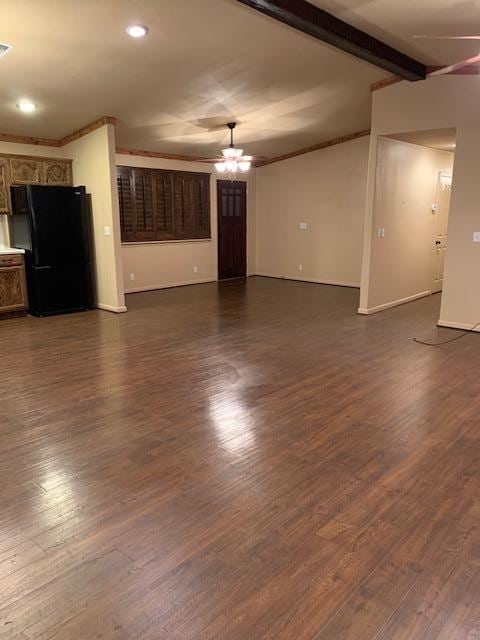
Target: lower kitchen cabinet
pixel 13 290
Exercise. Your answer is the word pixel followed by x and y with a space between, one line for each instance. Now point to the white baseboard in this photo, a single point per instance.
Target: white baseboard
pixel 107 307
pixel 168 285
pixel 394 303
pixel 458 325
pixel 336 283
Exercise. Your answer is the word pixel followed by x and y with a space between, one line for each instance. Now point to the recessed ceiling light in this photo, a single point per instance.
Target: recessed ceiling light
pixel 137 30
pixel 27 106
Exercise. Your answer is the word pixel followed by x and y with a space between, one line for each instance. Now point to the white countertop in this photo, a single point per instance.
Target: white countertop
pixel 4 250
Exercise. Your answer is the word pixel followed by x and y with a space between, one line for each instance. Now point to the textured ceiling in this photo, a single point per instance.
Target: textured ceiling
pixel 205 62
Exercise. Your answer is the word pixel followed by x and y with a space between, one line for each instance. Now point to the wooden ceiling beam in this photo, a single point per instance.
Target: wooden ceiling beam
pixel 316 22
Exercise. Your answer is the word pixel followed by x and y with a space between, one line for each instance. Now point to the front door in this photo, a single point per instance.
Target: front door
pixel 232 229
pixel 441 225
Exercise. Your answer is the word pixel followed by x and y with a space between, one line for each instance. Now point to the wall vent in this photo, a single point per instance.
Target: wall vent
pixel 4 48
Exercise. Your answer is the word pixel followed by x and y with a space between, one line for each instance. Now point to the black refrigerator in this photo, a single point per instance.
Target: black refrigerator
pixel 53 225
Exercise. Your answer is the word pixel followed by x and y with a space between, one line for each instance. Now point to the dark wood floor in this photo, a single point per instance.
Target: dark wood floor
pixel 244 462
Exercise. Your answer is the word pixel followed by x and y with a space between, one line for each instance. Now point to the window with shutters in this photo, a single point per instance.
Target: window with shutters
pixel 156 204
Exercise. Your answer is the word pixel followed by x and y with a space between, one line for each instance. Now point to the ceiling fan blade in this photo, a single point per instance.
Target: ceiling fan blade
pixel 448 37
pixel 455 67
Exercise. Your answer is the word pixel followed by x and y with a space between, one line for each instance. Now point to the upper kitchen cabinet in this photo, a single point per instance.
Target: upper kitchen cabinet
pixel 58 172
pixel 4 186
pixel 26 170
pixel 31 170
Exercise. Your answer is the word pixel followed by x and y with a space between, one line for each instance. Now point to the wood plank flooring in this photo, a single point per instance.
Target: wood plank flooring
pixel 246 461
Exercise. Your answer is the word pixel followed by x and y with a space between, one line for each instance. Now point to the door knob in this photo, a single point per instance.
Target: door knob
pixel 438 242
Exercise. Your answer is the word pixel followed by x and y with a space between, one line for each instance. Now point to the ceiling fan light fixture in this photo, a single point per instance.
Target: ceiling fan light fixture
pixel 233 158
pixel 231 166
pixel 231 152
pixel 244 165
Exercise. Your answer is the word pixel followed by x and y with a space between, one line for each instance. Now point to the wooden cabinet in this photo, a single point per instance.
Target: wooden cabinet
pixel 26 170
pixel 13 290
pixel 31 170
pixel 4 186
pixel 58 172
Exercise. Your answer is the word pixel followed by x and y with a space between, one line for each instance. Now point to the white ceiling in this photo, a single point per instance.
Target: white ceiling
pixel 205 62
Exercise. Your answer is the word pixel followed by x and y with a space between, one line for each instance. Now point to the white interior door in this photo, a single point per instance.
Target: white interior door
pixel 441 225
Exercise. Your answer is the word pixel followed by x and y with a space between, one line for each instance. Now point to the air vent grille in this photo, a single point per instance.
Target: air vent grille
pixel 4 48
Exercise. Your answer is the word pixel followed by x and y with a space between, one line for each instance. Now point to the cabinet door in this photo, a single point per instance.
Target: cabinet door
pixel 4 187
pixel 13 296
pixel 26 171
pixel 58 172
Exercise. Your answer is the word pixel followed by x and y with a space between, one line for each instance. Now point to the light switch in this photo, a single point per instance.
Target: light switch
pixel 303 225
pixel 476 236
pixel 107 231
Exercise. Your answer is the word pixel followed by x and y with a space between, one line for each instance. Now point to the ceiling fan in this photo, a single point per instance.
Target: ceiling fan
pixel 457 65
pixel 232 159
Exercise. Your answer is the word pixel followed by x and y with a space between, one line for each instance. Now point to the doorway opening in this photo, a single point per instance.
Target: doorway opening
pixel 413 186
pixel 232 229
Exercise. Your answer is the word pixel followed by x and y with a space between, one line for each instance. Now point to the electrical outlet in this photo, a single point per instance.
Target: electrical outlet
pixel 300 267
pixel 476 236
pixel 132 276
pixel 195 269
pixel 107 231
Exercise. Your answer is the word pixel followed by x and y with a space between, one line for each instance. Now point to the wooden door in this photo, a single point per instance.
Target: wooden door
pixel 441 225
pixel 232 229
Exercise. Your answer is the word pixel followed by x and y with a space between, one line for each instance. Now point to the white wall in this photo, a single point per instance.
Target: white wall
pixel 166 264
pixel 326 189
pixel 94 166
pixel 438 103
pixel 405 189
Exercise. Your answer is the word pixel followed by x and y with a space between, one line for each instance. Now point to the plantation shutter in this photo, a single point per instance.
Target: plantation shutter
pixel 125 202
pixel 143 205
pixel 163 202
pixel 163 205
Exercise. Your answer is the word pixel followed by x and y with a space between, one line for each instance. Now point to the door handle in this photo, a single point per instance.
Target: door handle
pixel 438 242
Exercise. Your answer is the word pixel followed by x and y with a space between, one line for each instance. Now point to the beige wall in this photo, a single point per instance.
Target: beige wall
pixel 326 190
pixel 167 264
pixel 94 166
pixel 405 189
pixel 437 103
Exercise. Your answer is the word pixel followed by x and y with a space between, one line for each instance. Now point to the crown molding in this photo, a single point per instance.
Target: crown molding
pixel 88 129
pixel 386 82
pixel 164 156
pixel 46 142
pixel 315 147
pixel 61 142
